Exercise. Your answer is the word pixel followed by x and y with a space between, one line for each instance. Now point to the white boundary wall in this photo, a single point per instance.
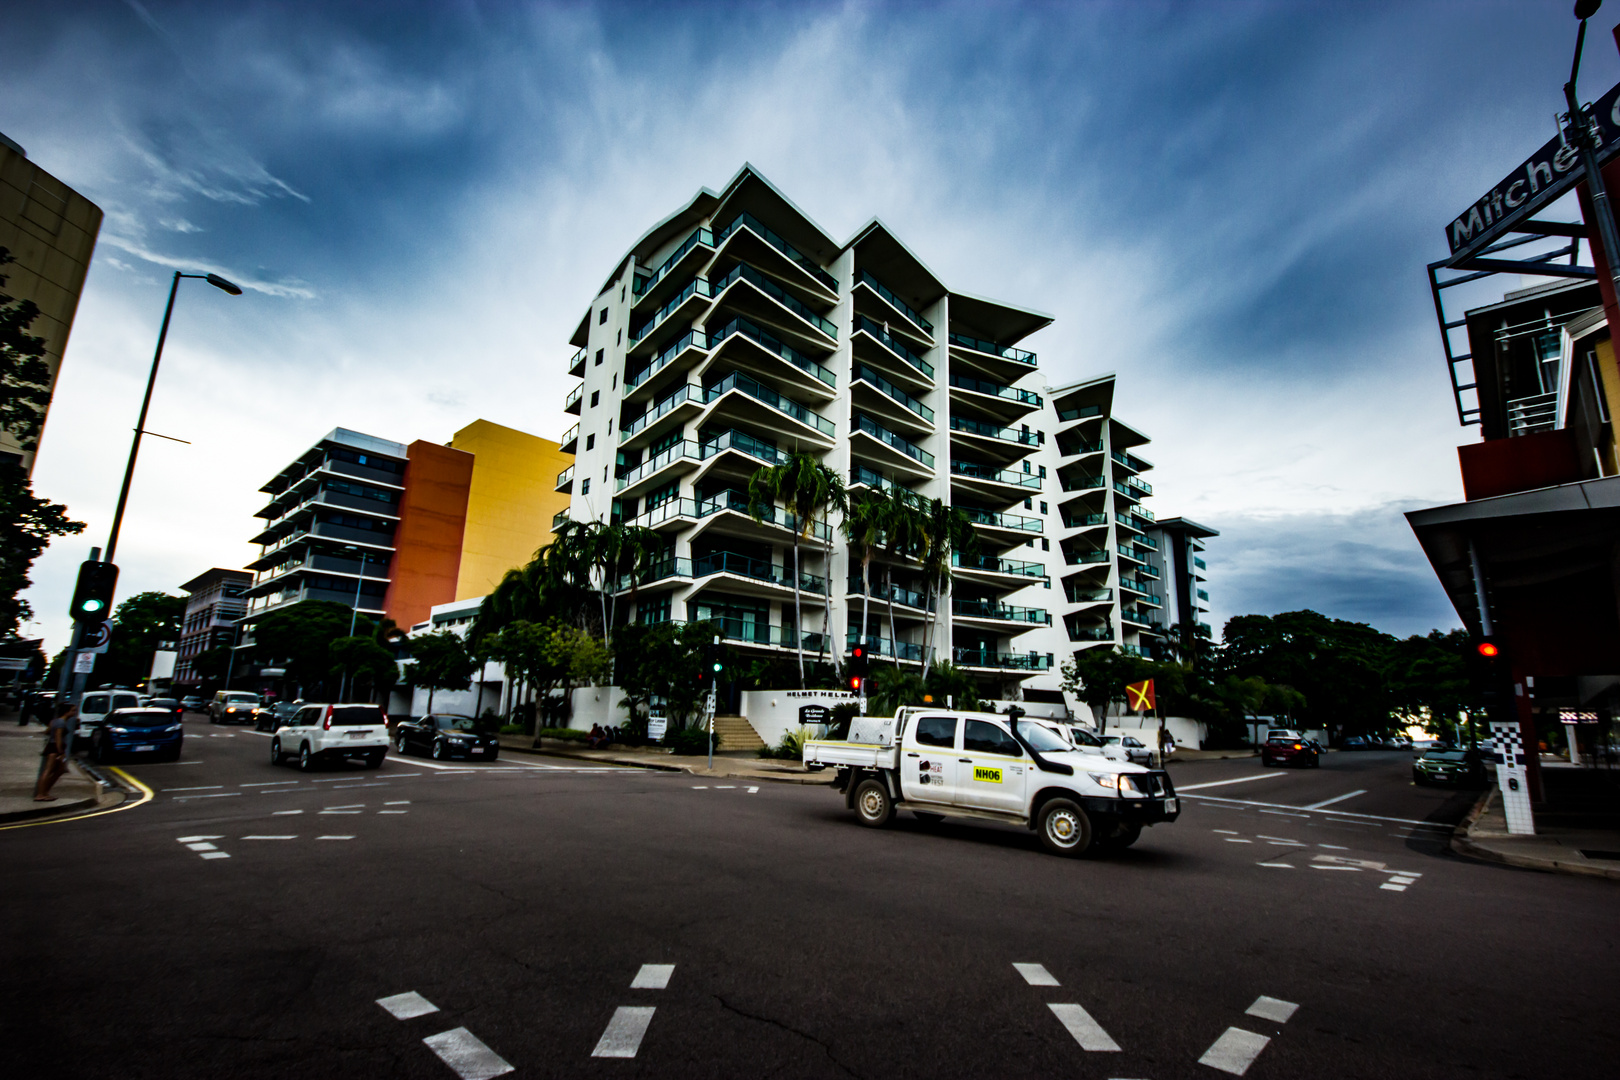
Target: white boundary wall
pixel 1189 734
pixel 774 713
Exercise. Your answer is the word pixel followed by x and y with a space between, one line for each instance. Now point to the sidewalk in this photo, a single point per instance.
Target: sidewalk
pixel 727 764
pixel 1588 852
pixel 19 771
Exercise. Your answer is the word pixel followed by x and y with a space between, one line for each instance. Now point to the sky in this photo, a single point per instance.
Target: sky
pixel 1228 204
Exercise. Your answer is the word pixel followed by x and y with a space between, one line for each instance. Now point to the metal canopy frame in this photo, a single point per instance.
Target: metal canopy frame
pixel 1478 266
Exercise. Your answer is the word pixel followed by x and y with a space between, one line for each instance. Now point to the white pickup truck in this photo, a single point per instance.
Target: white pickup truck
pixel 941 763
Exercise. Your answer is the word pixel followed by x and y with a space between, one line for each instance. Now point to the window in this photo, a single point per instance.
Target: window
pixel 590 442
pixel 937 731
pixel 618 338
pixel 598 358
pixel 983 737
pixel 621 294
pixel 1046 545
pixel 663 495
pixel 615 380
pixel 601 317
pixel 1029 504
pixel 1043 507
pixel 585 486
pixel 1043 471
pixel 596 397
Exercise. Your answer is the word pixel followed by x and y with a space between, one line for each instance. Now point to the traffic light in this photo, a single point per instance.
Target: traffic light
pixel 1488 649
pixel 93 593
pixel 1491 673
pixel 855 682
pixel 857 661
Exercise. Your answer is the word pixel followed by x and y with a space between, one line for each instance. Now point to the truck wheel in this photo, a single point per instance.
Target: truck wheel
pixel 1121 838
pixel 873 806
pixel 1064 828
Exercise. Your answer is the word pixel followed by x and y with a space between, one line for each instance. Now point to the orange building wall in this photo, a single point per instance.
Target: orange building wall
pixel 427 543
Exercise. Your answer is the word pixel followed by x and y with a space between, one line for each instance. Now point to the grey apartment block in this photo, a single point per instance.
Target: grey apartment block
pixel 1179 558
pixel 214 604
pixel 736 332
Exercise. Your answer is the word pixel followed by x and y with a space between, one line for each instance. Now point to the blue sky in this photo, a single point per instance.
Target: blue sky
pixel 1228 204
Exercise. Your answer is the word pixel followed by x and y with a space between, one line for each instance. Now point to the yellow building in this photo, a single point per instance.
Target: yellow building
pixel 50 230
pixel 511 501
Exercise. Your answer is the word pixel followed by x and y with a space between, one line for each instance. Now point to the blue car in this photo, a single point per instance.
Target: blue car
pixel 145 733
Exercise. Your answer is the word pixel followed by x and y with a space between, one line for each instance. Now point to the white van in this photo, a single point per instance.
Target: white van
pixel 96 704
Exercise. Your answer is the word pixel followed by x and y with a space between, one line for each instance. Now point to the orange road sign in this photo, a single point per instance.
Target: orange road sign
pixel 1139 696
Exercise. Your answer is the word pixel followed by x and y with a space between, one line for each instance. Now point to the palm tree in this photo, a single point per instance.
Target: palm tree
pixel 902 539
pixel 945 530
pixel 864 527
pixel 805 487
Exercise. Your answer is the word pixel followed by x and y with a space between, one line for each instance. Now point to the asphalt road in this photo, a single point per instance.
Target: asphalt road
pixel 522 899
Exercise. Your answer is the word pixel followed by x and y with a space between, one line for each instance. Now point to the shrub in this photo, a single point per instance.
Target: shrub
pixel 565 734
pixel 692 740
pixel 512 729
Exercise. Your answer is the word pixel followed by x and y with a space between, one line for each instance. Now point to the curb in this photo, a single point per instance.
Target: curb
pixel 690 770
pixel 1462 844
pixel 74 807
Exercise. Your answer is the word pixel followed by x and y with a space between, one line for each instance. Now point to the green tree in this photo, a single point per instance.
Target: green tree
pixel 892 687
pixel 540 658
pixel 665 660
pixel 441 663
pixel 139 625
pixel 865 526
pixel 27 524
pixel 805 488
pixel 25 378
pixel 1099 676
pixel 903 539
pixel 300 638
pixel 1339 666
pixel 1430 679
pixel 360 659
pixel 946 530
pixel 946 682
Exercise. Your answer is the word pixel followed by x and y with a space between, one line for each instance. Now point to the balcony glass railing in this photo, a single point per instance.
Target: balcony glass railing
pixel 1202 595
pixel 658 571
pixel 1006 352
pixel 558 520
pixel 576 364
pixel 860 474
pixel 772 344
pixel 696 287
pixel 760 392
pixel 701 236
pixel 1137 650
pixel 729 562
pixel 1083 521
pixel 1121 489
pixel 1079 413
pixel 1079 446
pixel 1085 557
pixel 1081 483
pixel 893 344
pixel 1145 541
pixel 881 593
pixel 751 632
pixel 985 609
pixel 1144 512
pixel 732 499
pixel 894 301
pixel 1011 393
pixel 695 340
pixel 1032 661
pixel 744 272
pixel 1148 572
pixel 974 471
pixel 1139 484
pixel 779 244
pixel 1091 633
pixel 573 397
pixel 995 431
pixel 882 646
pixel 1199 563
pixel 668 510
pixel 743 444
pixel 998 566
pixel 1087 596
pixel 686 448
pixel 991 518
pixel 867 375
pixel 883 434
pixel 683 393
pixel 570 435
pixel 1129 552
pixel 565 477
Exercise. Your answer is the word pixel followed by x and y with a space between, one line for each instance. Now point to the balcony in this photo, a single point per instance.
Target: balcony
pixel 1144 513
pixel 772 345
pixel 995 431
pixel 997 390
pixel 1005 352
pixel 989 474
pixel 571 404
pixel 1130 553
pixel 645 286
pixel 1091 633
pixel 860 474
pixel 679 511
pixel 985 609
pixel 991 519
pixel 696 288
pixel 744 272
pixel 686 392
pixel 1137 651
pixel 695 340
pixel 1145 541
pixel 576 366
pixel 803 262
pixel 570 440
pixel 565 479
pixel 899 305
pixel 866 425
pixel 1199 563
pixel 1083 521
pixel 888 389
pixel 750 632
pixel 685 450
pixel 727 562
pixel 989 564
pixel 881 594
pixel 558 520
pixel 1088 596
pixel 1202 595
pixel 1086 557
pixel 1537 412
pixel 674 570
pixel 1082 412
pixel 882 646
pixel 759 392
pixel 989 658
pixel 893 345
pixel 1139 484
pixel 736 501
pixel 742 443
pixel 1081 483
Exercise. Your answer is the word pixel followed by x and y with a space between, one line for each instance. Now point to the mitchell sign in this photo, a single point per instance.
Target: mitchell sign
pixel 1545 175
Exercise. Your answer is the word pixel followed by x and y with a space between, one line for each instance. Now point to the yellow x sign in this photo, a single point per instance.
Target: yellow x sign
pixel 1139 696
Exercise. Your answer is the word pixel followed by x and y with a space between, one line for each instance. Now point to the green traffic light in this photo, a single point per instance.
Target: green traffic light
pixel 717 665
pixel 92 605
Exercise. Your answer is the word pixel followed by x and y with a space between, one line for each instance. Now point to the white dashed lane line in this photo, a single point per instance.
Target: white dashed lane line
pixel 1086 1031
pixel 407 1005
pixel 629 1024
pixel 294 836
pixel 1035 974
pixel 1237 1049
pixel 653 977
pixel 334 838
pixel 458 1048
pixel 1335 799
pixel 202 846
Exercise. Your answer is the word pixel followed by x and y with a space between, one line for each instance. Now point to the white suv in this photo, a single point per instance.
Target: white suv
pixel 331 732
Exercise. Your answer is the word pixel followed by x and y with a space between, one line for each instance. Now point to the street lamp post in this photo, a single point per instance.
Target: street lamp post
pixel 354 612
pixel 1581 130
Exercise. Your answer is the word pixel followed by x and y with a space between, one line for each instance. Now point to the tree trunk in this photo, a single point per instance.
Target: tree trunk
pixel 894 642
pixel 478 699
pixel 430 699
pixel 866 593
pixel 798 611
pixel 826 611
pixel 928 627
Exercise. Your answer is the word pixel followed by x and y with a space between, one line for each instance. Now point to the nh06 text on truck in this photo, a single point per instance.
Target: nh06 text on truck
pixel 992 767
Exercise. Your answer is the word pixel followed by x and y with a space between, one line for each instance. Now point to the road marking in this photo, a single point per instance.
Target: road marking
pixel 194 839
pixel 1278 839
pixel 1283 813
pixel 1335 799
pixel 397 802
pixel 340 811
pixel 624 1032
pixel 1333 847
pixel 700 787
pixel 349 806
pixel 205 787
pixel 725 787
pixel 378 783
pixel 1036 974
pixel 1222 783
pixel 334 838
pixel 1404 879
pixel 652 977
pixel 204 846
pixel 1236 840
pixel 437 765
pixel 1278 865
pixel 1319 866
pixel 753 791
pixel 216 795
pixel 407 1005
pixel 1270 1008
pixel 1342 821
pixel 1234 1051
pixel 269 783
pixel 1367 819
pixel 1356 864
pixel 393 811
pixel 292 837
pixel 1086 1031
pixel 1228 832
pixel 1285 843
pixel 1393 888
pixel 213 855
pixel 281 813
pixel 463 1052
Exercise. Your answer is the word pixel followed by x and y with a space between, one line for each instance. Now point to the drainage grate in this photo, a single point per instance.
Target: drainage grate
pixel 1591 854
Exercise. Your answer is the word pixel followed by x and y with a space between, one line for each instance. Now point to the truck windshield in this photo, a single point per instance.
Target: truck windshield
pixel 1042 739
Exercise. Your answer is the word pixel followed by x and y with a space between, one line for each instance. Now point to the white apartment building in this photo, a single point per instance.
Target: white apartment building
pixel 736 332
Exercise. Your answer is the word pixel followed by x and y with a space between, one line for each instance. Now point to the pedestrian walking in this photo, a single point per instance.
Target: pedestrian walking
pixel 54 754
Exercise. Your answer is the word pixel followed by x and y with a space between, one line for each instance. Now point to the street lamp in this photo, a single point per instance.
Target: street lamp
pixel 1582 132
pixel 140 425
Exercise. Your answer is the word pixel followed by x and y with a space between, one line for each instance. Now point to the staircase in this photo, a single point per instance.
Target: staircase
pixel 736 733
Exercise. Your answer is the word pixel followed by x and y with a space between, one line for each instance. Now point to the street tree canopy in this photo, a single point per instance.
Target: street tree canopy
pixel 27 525
pixel 25 378
pixel 139 625
pixel 441 663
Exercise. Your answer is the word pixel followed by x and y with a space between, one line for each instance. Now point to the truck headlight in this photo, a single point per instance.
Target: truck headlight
pixel 1129 784
pixel 1107 780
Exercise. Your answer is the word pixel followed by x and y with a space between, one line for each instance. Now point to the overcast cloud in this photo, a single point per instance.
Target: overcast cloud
pixel 1228 204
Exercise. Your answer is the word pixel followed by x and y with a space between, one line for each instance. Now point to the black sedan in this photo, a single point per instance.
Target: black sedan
pixel 270 717
pixel 446 736
pixel 1444 765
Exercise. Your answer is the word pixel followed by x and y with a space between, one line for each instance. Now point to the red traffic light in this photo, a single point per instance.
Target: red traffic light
pixel 859 653
pixel 855 682
pixel 1488 649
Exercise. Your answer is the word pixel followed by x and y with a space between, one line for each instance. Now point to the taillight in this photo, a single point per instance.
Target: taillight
pixel 327 725
pixel 1299 746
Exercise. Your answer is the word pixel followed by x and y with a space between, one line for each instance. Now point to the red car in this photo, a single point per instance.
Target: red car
pixel 1301 752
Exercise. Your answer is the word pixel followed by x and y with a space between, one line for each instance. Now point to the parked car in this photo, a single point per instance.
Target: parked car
pixel 193 703
pixel 332 732
pixel 232 707
pixel 144 731
pixel 1135 752
pixel 40 705
pixel 165 703
pixel 1359 742
pixel 445 736
pixel 1449 766
pixel 94 708
pixel 1300 752
pixel 270 717
pixel 1283 733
